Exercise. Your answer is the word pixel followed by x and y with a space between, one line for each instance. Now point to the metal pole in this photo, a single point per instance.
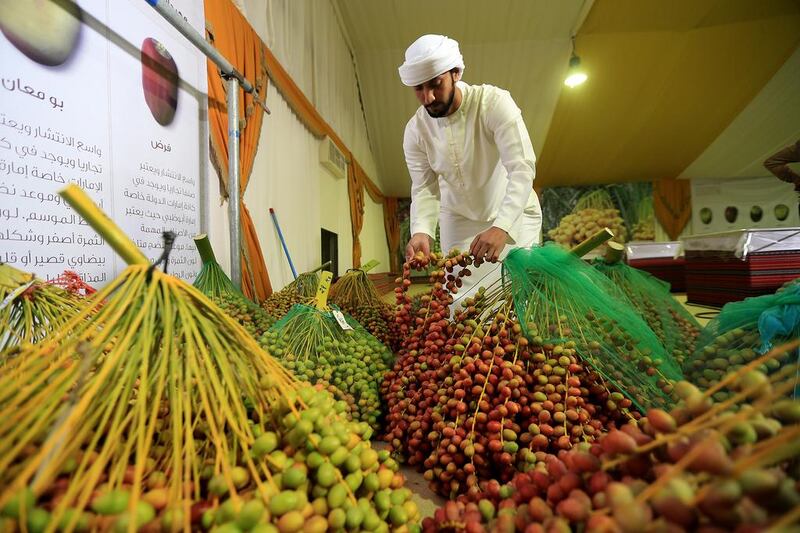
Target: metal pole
pixel 173 17
pixel 283 242
pixel 233 181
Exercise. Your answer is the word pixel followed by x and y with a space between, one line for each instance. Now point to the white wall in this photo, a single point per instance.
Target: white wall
pixel 373 243
pixel 306 38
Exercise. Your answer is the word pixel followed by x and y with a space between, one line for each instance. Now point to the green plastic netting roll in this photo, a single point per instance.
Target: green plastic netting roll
pixel 558 297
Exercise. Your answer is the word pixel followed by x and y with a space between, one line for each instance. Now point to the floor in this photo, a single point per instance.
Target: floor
pixel 427 501
pixel 702 313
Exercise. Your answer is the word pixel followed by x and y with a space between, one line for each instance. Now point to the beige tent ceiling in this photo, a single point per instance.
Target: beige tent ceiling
pixel 668 81
pixel 770 120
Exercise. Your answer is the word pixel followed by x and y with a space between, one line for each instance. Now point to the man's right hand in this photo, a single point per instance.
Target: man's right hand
pixel 419 242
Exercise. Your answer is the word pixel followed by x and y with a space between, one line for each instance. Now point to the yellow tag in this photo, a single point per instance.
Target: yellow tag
pixel 369 266
pixel 321 301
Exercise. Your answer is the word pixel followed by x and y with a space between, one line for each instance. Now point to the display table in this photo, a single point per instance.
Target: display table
pixel 661 259
pixel 733 265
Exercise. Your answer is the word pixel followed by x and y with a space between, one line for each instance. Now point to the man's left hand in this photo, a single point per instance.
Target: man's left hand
pixel 488 244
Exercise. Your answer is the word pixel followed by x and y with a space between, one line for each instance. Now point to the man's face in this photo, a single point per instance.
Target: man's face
pixel 436 95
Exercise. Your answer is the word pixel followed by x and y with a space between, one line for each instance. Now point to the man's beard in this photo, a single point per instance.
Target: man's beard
pixel 440 109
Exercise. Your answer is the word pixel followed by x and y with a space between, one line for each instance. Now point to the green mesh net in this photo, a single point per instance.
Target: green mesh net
pixel 743 331
pixel 355 294
pixel 300 291
pixel 215 283
pixel 560 298
pixel 315 347
pixel 675 327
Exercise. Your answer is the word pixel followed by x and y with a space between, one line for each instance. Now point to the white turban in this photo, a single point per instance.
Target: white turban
pixel 428 57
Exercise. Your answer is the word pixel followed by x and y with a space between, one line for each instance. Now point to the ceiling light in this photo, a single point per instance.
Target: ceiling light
pixel 575 74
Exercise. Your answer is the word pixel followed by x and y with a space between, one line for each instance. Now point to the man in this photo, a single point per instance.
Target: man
pixel 470 159
pixel 779 162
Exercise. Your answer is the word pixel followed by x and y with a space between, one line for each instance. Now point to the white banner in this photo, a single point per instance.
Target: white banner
pixel 105 94
pixel 743 203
